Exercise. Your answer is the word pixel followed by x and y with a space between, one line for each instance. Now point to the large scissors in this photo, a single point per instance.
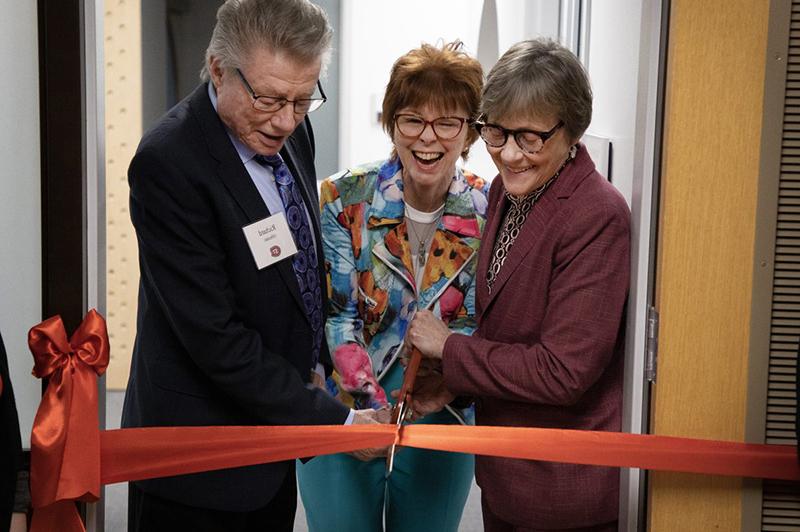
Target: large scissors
pixel 403 406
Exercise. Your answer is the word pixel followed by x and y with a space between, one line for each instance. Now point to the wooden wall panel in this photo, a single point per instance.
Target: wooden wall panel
pixel 123 101
pixel 715 78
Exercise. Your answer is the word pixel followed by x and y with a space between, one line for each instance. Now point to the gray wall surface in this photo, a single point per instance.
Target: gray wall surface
pixel 20 203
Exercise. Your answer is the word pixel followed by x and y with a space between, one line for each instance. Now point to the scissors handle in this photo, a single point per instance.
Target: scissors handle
pixel 408 384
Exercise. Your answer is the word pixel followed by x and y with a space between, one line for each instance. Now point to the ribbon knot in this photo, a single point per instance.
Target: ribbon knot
pixel 52 351
pixel 65 441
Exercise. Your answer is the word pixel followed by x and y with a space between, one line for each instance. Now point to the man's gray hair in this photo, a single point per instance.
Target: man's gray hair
pixel 296 28
pixel 537 79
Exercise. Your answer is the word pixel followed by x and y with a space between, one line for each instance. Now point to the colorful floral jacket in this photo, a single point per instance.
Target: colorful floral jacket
pixel 372 291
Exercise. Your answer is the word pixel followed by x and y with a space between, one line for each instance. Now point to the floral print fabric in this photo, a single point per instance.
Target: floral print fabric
pixel 372 292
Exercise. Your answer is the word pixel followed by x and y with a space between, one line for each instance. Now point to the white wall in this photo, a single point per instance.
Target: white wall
pixel 373 35
pixel 20 211
pixel 623 67
pixel 613 70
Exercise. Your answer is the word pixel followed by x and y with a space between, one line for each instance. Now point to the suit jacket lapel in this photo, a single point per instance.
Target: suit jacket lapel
pixel 230 169
pixel 290 157
pixel 487 245
pixel 234 176
pixel 529 235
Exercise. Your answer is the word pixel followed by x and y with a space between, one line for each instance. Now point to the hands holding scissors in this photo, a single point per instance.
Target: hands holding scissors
pixel 367 416
pixel 423 390
pixel 428 334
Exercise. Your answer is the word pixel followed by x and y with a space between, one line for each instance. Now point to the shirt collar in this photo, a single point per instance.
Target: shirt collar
pixel 245 153
pixel 530 197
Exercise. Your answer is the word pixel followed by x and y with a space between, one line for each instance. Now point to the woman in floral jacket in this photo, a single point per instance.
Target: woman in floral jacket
pixel 401 235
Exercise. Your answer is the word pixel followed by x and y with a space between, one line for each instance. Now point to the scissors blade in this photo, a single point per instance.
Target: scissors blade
pixel 400 412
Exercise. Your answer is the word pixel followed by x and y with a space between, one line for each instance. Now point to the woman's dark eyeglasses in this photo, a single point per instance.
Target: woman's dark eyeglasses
pixel 270 104
pixel 528 140
pixel 444 127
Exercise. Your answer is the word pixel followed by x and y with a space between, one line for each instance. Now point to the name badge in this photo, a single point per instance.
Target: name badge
pixel 270 240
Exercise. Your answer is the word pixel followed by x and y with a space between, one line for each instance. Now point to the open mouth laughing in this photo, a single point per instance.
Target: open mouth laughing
pixel 427 158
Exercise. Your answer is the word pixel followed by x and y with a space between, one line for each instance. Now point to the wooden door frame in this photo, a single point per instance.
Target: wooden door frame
pixel 706 274
pixel 72 171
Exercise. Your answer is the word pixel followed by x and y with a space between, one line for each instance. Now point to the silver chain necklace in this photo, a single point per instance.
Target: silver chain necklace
pixel 422 246
pixel 427 235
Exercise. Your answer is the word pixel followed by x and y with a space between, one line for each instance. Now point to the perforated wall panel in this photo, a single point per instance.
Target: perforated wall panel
pixel 123 111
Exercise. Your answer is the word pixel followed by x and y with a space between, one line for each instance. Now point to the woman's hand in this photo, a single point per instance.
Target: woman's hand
pixel 430 395
pixel 426 365
pixel 428 334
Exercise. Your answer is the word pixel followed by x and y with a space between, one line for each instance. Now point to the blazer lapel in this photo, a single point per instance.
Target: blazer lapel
pixel 454 243
pixel 290 158
pixel 487 247
pixel 535 226
pixel 230 169
pixel 394 251
pixel 386 212
pixel 235 178
pixel 529 235
pixel 292 161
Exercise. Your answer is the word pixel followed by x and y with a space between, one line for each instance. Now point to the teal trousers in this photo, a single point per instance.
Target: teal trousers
pixel 426 491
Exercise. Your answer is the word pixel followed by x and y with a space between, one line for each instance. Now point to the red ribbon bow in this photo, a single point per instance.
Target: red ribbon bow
pixel 65 442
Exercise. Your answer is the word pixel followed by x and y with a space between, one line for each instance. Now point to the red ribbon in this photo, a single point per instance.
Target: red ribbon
pixel 71 457
pixel 138 454
pixel 65 442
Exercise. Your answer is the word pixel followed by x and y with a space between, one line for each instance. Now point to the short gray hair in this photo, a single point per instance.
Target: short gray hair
pixel 536 78
pixel 297 28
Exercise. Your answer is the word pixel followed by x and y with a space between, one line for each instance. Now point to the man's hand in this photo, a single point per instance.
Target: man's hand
pixel 318 380
pixel 365 417
pixel 18 522
pixel 428 334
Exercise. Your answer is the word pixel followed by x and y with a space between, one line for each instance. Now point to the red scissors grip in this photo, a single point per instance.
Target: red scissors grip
pixel 408 382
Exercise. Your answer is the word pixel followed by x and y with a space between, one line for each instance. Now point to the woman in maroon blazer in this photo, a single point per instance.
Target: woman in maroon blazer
pixel 552 285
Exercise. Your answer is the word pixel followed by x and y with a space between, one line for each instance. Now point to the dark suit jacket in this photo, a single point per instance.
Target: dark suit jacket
pixel 218 341
pixel 10 443
pixel 548 350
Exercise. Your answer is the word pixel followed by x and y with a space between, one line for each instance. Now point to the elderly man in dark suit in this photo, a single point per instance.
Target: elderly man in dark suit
pixel 552 285
pixel 231 298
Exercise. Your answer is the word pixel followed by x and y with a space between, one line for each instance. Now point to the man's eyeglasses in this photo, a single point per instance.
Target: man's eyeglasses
pixel 528 140
pixel 444 127
pixel 270 104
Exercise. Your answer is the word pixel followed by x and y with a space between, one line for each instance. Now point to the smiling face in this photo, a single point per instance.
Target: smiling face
pixel 429 163
pixel 269 74
pixel 522 172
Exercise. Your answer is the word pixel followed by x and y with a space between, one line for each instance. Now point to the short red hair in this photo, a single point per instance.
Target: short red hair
pixel 444 78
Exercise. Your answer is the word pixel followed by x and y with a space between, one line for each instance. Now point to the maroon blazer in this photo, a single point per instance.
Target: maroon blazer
pixel 548 350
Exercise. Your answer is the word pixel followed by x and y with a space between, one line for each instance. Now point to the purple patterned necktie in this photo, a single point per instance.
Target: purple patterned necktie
pixel 304 261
